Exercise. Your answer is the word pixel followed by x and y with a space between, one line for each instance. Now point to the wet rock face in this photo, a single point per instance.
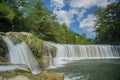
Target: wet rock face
pixel 3 50
pixel 47 55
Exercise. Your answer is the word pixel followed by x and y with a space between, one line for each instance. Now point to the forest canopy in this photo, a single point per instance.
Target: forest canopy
pixel 108 24
pixel 32 16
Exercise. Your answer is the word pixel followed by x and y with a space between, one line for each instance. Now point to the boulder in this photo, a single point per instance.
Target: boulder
pixel 45 75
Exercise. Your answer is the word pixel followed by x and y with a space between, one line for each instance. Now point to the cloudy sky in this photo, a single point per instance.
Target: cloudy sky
pixel 77 14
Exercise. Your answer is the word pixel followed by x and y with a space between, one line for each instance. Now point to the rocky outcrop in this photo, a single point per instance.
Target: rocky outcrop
pixel 3 50
pixel 48 54
pixel 45 75
pixel 32 40
pixel 43 51
pixel 20 75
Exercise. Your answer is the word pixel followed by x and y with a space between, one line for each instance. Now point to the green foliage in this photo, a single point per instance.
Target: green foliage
pixel 36 46
pixel 6 12
pixel 6 17
pixel 108 24
pixel 32 16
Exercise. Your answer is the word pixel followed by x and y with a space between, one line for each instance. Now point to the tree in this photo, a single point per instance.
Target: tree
pixel 108 24
pixel 33 16
pixel 6 17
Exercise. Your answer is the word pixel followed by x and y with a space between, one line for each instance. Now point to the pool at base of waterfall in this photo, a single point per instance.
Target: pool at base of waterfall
pixel 90 69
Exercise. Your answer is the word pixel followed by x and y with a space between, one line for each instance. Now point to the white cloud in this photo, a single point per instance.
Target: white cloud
pixel 81 3
pixel 57 4
pixel 78 8
pixel 88 23
pixel 102 3
pixel 88 3
pixel 64 16
pixel 74 11
pixel 80 14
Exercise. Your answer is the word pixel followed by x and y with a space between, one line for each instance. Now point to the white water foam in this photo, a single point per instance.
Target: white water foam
pixel 75 76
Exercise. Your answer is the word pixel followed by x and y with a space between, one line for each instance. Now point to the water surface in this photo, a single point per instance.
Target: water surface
pixel 91 69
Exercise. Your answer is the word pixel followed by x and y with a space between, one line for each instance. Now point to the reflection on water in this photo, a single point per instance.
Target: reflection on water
pixel 91 69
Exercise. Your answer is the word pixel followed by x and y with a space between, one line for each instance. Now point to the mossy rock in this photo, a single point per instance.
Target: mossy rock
pixel 3 50
pixel 44 75
pixel 32 40
pixel 36 45
pixel 48 55
pixel 20 77
pixel 2 60
pixel 11 74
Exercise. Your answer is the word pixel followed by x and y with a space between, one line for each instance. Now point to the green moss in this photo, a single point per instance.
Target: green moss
pixel 10 74
pixel 1 50
pixel 44 75
pixel 53 50
pixel 36 46
pixel 3 47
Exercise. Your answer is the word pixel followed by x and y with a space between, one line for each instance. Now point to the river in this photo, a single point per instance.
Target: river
pixel 90 69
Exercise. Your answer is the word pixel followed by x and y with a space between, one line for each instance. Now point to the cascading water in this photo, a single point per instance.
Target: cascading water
pixel 21 54
pixel 75 52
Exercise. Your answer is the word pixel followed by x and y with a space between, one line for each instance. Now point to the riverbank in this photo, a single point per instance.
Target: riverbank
pixel 44 75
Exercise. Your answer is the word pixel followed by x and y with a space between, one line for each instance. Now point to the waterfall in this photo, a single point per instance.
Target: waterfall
pixel 77 52
pixel 21 54
pixel 88 51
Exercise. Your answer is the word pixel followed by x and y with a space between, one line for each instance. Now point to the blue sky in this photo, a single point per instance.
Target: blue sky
pixel 77 14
